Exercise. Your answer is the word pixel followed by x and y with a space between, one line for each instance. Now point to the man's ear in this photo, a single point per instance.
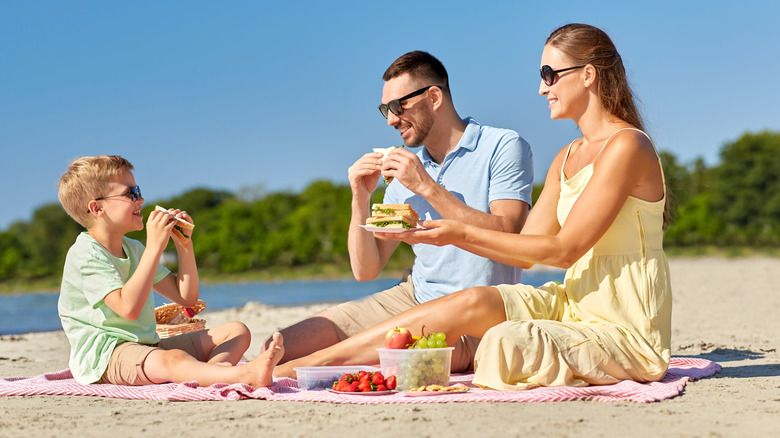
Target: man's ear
pixel 436 96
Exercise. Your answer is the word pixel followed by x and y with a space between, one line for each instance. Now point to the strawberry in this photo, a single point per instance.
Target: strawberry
pixel 349 378
pixel 381 387
pixel 390 382
pixel 365 386
pixel 354 386
pixel 377 378
pixel 365 378
pixel 360 374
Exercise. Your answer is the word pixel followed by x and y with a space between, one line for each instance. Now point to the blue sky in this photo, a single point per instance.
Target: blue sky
pixel 239 94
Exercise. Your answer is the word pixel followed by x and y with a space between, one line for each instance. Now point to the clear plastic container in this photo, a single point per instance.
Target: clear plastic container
pixel 323 377
pixel 416 367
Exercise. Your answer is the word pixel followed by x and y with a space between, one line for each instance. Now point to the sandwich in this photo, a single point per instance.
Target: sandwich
pixel 180 227
pixel 384 152
pixel 393 216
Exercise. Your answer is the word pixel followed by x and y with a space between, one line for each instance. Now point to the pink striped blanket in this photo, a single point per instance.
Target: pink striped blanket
pixel 681 370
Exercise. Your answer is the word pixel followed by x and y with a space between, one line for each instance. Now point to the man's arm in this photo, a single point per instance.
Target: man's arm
pixel 367 254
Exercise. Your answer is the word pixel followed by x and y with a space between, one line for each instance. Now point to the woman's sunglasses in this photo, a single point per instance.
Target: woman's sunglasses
pixel 548 74
pixel 395 107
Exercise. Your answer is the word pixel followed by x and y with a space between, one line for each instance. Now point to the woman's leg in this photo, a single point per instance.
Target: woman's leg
pixel 468 312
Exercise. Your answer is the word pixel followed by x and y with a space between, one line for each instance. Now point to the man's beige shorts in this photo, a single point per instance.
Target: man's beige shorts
pixel 353 317
pixel 126 364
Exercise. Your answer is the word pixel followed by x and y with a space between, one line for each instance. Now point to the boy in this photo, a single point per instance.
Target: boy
pixel 105 303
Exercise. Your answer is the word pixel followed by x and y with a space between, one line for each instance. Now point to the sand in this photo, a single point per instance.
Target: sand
pixel 725 310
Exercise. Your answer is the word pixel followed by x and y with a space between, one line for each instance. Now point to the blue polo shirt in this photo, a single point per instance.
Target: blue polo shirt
pixel 488 164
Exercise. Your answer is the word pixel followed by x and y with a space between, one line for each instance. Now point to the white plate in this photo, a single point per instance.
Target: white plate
pixel 429 393
pixel 361 393
pixel 374 229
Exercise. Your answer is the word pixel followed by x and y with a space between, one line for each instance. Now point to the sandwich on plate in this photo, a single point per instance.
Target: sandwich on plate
pixel 393 216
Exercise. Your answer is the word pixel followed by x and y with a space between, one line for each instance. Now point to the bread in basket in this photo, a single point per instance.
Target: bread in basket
pixel 168 312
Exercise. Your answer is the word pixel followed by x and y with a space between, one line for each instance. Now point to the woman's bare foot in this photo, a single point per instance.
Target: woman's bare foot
pixel 263 365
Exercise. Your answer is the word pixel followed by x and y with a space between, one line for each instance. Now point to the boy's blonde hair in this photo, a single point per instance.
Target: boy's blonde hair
pixel 88 178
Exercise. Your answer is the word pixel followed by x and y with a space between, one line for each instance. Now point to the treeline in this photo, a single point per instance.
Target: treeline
pixel 736 202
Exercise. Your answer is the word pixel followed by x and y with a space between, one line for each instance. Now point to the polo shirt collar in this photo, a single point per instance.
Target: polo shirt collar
pixel 467 141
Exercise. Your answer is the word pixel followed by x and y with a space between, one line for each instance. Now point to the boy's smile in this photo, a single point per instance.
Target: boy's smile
pixel 119 208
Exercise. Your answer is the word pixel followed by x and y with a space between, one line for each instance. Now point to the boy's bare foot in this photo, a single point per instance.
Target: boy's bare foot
pixel 263 365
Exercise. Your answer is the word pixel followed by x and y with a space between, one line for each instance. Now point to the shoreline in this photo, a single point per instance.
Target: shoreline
pixel 723 311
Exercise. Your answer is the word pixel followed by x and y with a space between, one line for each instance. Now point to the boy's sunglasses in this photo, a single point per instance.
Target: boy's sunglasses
pixel 395 107
pixel 548 74
pixel 134 194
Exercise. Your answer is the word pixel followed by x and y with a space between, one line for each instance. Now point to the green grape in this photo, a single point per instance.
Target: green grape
pixel 422 342
pixel 440 336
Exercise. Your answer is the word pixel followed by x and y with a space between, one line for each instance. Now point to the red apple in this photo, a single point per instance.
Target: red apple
pixel 398 338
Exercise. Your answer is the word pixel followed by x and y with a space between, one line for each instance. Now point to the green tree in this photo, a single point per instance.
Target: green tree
pixel 745 189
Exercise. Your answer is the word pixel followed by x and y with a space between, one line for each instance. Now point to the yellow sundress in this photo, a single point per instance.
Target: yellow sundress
pixel 610 320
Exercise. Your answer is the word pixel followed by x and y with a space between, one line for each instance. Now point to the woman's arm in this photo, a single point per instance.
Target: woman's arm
pixel 623 168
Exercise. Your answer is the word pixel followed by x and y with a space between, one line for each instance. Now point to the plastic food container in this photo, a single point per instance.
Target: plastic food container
pixel 416 367
pixel 323 377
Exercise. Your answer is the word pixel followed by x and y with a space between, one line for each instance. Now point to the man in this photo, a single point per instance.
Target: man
pixel 476 174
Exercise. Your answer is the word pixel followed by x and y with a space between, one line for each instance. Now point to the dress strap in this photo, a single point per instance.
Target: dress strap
pixel 565 157
pixel 663 177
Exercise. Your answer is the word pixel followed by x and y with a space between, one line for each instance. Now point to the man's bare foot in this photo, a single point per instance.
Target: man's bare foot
pixel 263 365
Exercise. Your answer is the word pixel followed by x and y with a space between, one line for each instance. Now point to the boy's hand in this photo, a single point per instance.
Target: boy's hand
pixel 181 235
pixel 158 229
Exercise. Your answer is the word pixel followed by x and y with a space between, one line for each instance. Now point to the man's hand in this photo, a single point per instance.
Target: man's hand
pixel 407 168
pixel 364 176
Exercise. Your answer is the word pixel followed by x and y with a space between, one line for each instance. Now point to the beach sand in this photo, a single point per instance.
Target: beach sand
pixel 725 310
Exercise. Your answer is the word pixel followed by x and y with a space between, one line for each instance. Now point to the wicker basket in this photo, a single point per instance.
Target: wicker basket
pixel 167 312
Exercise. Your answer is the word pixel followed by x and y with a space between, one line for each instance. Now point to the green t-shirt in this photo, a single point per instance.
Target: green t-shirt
pixel 92 328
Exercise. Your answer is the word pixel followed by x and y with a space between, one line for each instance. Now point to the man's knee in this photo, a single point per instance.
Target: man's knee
pixel 307 336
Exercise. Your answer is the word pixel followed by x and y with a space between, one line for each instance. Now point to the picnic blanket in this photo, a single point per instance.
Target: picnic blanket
pixel 681 370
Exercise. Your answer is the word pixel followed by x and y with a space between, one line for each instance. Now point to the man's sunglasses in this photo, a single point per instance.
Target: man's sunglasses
pixel 548 74
pixel 395 107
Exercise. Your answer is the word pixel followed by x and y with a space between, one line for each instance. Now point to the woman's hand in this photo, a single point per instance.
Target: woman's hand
pixel 435 232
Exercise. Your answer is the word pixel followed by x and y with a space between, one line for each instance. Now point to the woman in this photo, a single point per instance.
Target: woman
pixel 600 215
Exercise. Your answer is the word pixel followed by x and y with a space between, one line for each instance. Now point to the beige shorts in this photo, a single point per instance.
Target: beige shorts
pixel 353 317
pixel 126 364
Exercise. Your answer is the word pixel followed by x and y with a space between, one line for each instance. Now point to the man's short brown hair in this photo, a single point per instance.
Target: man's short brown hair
pixel 88 178
pixel 420 66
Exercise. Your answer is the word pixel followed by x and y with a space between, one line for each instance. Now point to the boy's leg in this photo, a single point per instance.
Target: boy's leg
pixel 179 366
pixel 224 344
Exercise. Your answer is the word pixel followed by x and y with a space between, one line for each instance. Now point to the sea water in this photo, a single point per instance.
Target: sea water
pixel 37 312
